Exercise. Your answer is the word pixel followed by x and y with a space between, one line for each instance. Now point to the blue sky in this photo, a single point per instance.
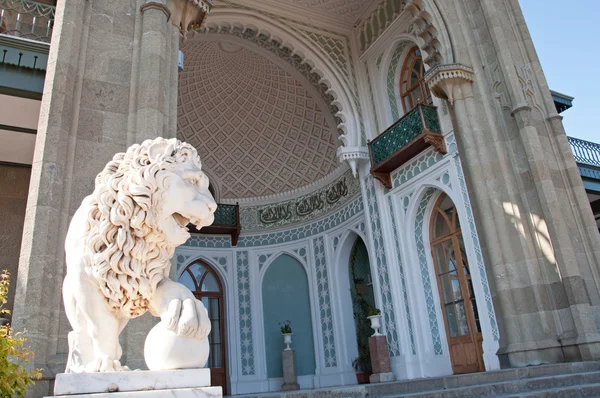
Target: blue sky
pixel 566 35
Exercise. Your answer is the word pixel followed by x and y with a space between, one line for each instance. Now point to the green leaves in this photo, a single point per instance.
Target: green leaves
pixel 14 353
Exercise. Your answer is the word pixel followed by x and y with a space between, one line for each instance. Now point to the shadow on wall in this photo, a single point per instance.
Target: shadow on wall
pixel 285 297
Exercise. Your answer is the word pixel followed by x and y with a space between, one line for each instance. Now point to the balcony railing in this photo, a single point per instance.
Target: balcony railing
pixel 585 152
pixel 27 19
pixel 405 139
pixel 227 222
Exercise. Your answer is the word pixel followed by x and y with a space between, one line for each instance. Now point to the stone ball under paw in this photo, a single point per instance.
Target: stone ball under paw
pixel 164 350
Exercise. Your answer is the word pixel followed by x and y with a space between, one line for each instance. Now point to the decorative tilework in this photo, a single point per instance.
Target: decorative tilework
pixel 424 265
pixel 250 219
pixel 325 313
pixel 262 259
pixel 373 101
pixel 182 261
pixel 402 278
pixel 382 269
pixel 285 54
pixel 353 208
pixel 391 80
pixel 245 314
pixel 347 10
pixel 209 242
pixel 357 103
pixel 340 216
pixel 327 42
pixel 302 253
pixel 422 163
pixel 478 254
pixel 334 48
pixel 336 241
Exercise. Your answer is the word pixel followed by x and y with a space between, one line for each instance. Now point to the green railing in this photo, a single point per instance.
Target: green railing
pixel 422 119
pixel 27 19
pixel 226 215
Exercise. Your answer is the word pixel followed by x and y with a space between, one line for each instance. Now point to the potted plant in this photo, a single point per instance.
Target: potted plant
pixel 362 366
pixel 361 287
pixel 374 315
pixel 286 331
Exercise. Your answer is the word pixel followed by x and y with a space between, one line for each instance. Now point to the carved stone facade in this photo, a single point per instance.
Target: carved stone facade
pixel 280 98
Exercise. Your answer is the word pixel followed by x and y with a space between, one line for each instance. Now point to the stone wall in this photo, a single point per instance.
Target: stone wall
pixel 14 185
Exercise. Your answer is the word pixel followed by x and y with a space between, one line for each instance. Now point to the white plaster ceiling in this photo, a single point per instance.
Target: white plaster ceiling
pixel 256 127
pixel 348 10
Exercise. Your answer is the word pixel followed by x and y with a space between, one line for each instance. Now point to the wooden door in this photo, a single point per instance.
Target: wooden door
pixel 457 298
pixel 204 282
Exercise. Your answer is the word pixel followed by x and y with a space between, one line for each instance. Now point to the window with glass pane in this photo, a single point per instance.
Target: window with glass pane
pixel 413 89
pixel 452 295
pixel 205 284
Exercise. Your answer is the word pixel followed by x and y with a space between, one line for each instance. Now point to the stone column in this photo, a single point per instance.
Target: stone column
pixel 380 360
pixel 290 379
pixel 101 94
pixel 542 305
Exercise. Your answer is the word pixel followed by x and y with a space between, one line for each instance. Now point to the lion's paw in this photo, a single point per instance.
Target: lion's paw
pixel 105 364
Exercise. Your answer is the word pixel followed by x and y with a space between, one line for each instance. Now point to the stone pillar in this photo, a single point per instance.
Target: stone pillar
pixel 380 360
pixel 101 94
pixel 290 379
pixel 541 301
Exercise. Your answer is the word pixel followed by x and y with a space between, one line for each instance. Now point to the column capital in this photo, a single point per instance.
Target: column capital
pixel 448 81
pixel 353 155
pixel 188 14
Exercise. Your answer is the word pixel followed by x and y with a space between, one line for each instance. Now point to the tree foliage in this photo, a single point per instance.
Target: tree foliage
pixel 14 353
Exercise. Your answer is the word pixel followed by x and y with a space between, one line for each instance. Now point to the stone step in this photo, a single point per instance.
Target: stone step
pixel 586 390
pixel 444 384
pixel 510 387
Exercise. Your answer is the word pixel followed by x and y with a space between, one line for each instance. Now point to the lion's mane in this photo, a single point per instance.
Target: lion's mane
pixel 126 254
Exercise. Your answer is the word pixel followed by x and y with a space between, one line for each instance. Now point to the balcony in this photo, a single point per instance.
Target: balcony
pixel 27 19
pixel 410 135
pixel 585 152
pixel 227 222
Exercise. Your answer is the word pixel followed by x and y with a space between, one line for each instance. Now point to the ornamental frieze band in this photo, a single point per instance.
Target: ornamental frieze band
pixel 274 215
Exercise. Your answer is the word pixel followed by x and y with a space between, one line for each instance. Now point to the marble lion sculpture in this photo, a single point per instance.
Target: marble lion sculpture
pixel 118 250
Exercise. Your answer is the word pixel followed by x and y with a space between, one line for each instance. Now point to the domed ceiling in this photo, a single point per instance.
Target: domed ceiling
pixel 257 128
pixel 349 10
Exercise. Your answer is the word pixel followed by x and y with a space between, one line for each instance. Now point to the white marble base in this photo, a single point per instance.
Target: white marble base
pixel 75 384
pixel 202 392
pixel 382 377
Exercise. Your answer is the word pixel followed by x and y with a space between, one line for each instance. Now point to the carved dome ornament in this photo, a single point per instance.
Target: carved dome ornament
pixel 447 81
pixel 258 127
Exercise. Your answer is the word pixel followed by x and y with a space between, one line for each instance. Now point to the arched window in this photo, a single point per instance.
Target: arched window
pixel 206 285
pixel 413 89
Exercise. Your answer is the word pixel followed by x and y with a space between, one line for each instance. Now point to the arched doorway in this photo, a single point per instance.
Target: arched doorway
pixel 206 285
pixel 363 298
pixel 455 286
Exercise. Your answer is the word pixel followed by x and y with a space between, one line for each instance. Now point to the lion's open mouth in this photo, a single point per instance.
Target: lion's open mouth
pixel 181 220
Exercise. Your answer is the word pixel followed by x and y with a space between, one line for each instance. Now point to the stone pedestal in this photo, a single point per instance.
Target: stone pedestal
pixel 380 360
pixel 290 380
pixel 173 383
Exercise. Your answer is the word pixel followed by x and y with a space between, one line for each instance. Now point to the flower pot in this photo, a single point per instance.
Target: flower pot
pixel 362 289
pixel 287 340
pixel 363 377
pixel 375 324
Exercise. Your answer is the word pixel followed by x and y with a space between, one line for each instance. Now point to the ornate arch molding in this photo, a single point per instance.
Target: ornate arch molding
pixel 419 21
pixel 428 24
pixel 293 49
